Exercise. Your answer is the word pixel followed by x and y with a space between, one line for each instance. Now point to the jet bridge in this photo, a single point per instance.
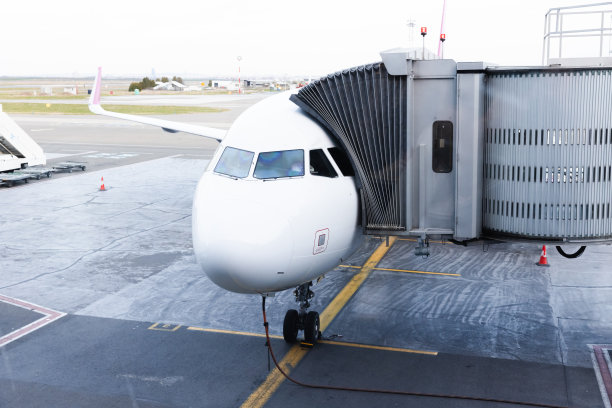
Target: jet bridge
pixel 17 149
pixel 467 150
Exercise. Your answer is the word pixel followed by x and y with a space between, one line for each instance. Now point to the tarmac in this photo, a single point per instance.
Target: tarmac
pixel 103 305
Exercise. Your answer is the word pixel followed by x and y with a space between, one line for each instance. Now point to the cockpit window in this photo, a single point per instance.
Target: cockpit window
pixel 287 163
pixel 320 166
pixel 235 162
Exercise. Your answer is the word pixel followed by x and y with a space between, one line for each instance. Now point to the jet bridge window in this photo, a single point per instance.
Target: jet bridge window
pixel 235 162
pixel 320 165
pixel 442 151
pixel 287 163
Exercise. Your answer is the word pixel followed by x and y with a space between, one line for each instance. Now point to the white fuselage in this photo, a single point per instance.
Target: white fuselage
pixel 259 230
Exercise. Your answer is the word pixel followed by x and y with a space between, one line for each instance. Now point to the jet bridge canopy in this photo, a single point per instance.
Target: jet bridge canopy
pixel 466 150
pixel 365 109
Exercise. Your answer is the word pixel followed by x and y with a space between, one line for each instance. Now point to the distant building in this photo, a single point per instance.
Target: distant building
pixel 169 86
pixel 229 85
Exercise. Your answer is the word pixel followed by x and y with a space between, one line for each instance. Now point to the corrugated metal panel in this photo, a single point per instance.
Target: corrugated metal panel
pixel 548 154
pixel 365 109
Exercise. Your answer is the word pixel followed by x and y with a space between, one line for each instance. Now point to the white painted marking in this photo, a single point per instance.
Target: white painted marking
pixel 40 130
pixel 122 145
pixel 58 155
pixel 112 155
pixel 598 375
pixel 163 381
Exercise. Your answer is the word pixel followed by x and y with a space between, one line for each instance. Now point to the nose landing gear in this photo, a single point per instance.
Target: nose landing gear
pixel 302 320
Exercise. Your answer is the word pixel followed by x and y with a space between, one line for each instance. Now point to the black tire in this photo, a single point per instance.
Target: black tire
pixel 290 326
pixel 311 328
pixel 571 256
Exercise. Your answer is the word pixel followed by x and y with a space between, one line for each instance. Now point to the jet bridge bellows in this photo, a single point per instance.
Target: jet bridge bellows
pixel 365 108
pixel 467 150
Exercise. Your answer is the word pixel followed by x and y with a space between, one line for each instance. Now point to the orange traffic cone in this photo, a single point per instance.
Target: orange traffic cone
pixel 543 260
pixel 102 186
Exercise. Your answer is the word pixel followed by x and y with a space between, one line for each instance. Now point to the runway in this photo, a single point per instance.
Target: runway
pixel 143 326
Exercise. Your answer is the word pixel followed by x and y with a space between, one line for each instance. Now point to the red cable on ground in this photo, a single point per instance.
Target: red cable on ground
pixel 396 392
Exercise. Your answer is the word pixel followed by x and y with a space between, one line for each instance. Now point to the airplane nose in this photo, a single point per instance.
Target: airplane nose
pixel 246 251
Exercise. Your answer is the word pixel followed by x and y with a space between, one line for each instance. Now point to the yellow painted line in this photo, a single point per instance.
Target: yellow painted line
pixel 383 348
pixel 332 310
pixel 432 242
pixel 404 270
pixel 331 342
pixel 422 272
pixel 263 393
pixel 240 333
pixel 165 327
pixel 415 240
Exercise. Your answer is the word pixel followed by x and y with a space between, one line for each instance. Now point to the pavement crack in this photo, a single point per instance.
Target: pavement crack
pixel 141 206
pixel 142 231
pixel 92 252
pixel 49 273
pixel 76 205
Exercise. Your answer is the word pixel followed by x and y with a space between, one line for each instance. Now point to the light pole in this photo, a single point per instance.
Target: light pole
pixel 423 33
pixel 239 58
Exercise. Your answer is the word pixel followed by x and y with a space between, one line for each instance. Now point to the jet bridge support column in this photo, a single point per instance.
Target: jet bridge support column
pixel 469 149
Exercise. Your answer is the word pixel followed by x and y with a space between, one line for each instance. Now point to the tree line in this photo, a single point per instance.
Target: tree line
pixel 148 83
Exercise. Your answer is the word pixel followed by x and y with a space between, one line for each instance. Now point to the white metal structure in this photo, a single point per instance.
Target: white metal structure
pixel 591 24
pixel 17 148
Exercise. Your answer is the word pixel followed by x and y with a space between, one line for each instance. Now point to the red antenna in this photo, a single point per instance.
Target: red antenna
pixel 442 29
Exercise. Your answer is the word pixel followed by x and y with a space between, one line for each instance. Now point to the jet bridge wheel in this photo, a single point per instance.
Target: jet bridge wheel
pixel 311 327
pixel 290 326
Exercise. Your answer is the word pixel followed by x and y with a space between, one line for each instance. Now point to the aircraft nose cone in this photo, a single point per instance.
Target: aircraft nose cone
pixel 241 244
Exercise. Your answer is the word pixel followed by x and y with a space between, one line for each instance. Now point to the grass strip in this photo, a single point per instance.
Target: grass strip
pixel 42 97
pixel 82 109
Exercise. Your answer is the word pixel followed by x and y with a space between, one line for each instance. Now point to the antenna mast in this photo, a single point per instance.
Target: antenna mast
pixel 442 29
pixel 411 24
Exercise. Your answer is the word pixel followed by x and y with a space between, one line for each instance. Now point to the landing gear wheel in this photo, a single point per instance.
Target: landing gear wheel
pixel 290 326
pixel 311 327
pixel 571 256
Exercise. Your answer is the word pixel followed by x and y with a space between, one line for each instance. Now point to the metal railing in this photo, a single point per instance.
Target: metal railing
pixel 554 29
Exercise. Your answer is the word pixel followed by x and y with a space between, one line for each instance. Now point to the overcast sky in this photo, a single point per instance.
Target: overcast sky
pixel 276 37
